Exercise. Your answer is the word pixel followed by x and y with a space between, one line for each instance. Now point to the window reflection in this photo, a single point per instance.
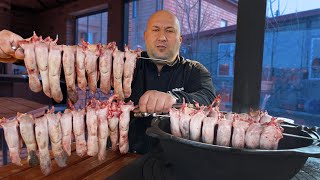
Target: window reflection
pixel 291 62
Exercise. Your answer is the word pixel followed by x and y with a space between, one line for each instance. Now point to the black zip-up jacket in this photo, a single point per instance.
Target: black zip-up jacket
pixel 185 79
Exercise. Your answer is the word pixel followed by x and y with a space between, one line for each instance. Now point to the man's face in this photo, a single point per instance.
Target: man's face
pixel 162 37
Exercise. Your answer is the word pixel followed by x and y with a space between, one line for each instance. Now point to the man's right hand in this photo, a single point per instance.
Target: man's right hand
pixel 8 40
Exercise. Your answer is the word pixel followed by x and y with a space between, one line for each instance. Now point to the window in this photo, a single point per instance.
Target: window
pixel 314 65
pixel 223 23
pixel 92 28
pixel 225 59
pixel 291 61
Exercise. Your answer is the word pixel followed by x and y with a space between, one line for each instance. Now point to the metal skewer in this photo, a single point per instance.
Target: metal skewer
pixel 159 60
pixel 303 137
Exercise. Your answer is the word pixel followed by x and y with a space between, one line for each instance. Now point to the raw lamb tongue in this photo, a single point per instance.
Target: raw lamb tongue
pixel 174 122
pixel 224 132
pixel 92 126
pixel 26 123
pixel 239 131
pixel 11 134
pixel 31 63
pixel 271 135
pixel 79 131
pixel 55 135
pixel 113 122
pixel 42 137
pixel 105 66
pixel 118 63
pixel 92 53
pixel 185 117
pixel 196 123
pixel 129 66
pixel 103 130
pixel 42 54
pixel 252 139
pixel 209 124
pixel 66 126
pixel 80 68
pixel 124 125
pixel 68 60
pixel 54 62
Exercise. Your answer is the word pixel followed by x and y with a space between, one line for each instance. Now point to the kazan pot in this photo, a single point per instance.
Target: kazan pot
pixel 197 160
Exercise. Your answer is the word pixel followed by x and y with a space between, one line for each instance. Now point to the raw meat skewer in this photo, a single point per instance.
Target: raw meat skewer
pixel 240 127
pixel 26 123
pixel 92 54
pixel 124 126
pixel 103 129
pixel 92 125
pixel 174 122
pixel 252 139
pixel 271 135
pixel 118 63
pixel 196 124
pixel 79 131
pixel 11 135
pixel 54 62
pixel 129 66
pixel 42 53
pixel 80 68
pixel 55 135
pixel 68 60
pixel 42 137
pixel 105 67
pixel 31 63
pixel 185 117
pixel 113 122
pixel 66 126
pixel 209 124
pixel 224 132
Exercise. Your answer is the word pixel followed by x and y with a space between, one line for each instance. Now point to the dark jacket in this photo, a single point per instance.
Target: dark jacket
pixel 185 79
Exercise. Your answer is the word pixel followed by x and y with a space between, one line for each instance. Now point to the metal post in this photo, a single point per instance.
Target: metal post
pixel 249 55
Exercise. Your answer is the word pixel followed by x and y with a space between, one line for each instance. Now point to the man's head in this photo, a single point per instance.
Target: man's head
pixel 162 36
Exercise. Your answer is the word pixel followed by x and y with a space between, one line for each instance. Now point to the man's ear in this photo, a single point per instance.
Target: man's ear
pixel 180 39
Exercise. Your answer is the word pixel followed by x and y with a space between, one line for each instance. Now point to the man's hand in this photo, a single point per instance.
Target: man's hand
pixel 8 40
pixel 156 101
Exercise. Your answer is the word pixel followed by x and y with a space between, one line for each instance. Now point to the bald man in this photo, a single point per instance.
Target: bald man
pixel 158 84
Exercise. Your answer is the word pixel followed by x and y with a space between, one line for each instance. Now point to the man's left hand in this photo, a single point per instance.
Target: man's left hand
pixel 153 101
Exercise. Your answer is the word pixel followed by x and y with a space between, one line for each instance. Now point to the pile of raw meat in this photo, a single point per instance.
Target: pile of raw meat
pixel 98 120
pixel 254 130
pixel 82 64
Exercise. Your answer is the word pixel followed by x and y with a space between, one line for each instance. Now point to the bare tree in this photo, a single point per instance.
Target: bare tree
pixel 193 19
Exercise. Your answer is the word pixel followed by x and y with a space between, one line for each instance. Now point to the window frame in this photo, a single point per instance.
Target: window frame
pixel 230 61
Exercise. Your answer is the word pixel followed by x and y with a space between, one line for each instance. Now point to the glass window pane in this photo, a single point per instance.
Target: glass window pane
pixel 291 64
pixel 203 38
pixel 82 24
pixel 94 29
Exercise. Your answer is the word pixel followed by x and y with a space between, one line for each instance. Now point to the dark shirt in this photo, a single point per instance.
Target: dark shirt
pixel 185 79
